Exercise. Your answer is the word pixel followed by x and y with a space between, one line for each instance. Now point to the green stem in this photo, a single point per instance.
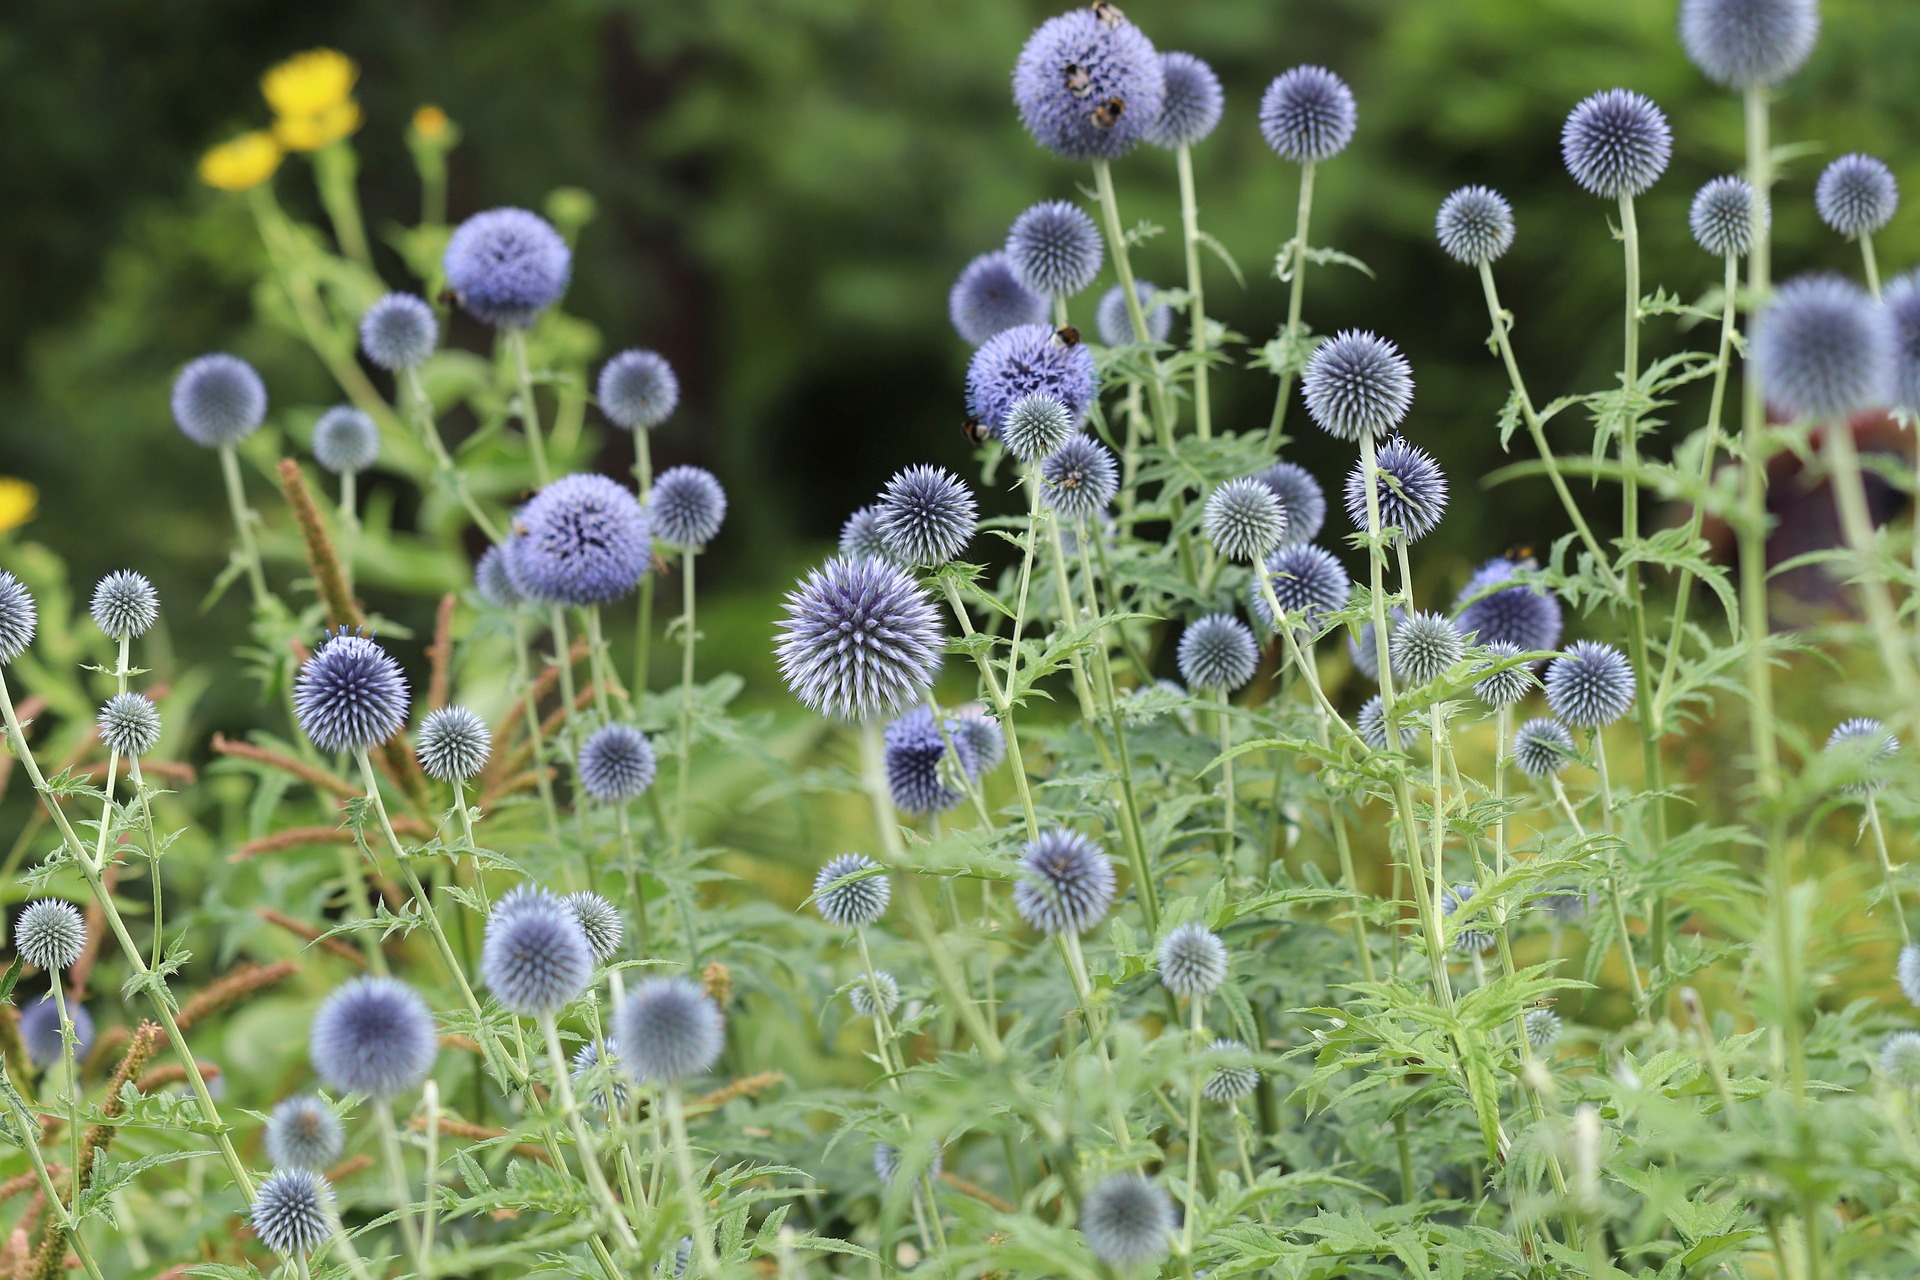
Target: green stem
pixel 1613 877
pixel 1294 254
pixel 687 637
pixel 1886 868
pixel 29 1141
pixel 1001 707
pixel 583 1137
pixel 1856 521
pixel 1197 1037
pixel 643 624
pixel 419 407
pixel 523 679
pixel 243 518
pixel 334 168
pixel 691 1198
pixel 1871 264
pixel 1196 293
pixel 395 1161
pixel 516 340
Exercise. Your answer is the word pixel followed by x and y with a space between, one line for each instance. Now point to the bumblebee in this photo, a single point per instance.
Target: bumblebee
pixel 1067 336
pixel 974 430
pixel 446 299
pixel 1079 81
pixel 1107 114
pixel 1108 13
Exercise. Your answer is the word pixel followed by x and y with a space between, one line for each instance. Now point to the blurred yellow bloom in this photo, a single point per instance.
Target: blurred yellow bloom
pixel 18 500
pixel 430 122
pixel 246 161
pixel 310 83
pixel 310 133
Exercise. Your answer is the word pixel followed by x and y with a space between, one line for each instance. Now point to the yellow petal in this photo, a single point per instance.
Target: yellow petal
pixel 246 161
pixel 430 122
pixel 310 83
pixel 310 133
pixel 18 500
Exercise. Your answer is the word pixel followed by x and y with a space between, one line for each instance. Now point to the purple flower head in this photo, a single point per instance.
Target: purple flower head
pixel 1066 882
pixel 861 639
pixel 860 535
pixel 536 958
pixel 617 763
pixel 926 516
pixel 507 266
pixel 1114 323
pixel 1308 583
pixel 289 1212
pixel 1054 249
pixel 1301 497
pixel 1425 647
pixel 915 751
pixel 1823 349
pixel 1036 427
pixel 1217 652
pixel 19 619
pixel 303 1133
pixel 129 724
pixel 350 695
pixel 1357 384
pixel 1192 105
pixel 373 1035
pixel 1128 1220
pixel 583 541
pixel 1616 143
pixel 491 579
pixel 668 1029
pixel 1902 302
pixel 1475 225
pixel 1526 615
pixel 1307 115
pixel 1590 685
pixel 218 400
pixel 345 440
pixel 1542 748
pixel 1088 85
pixel 1410 495
pixel 124 605
pixel 1080 478
pixel 686 507
pixel 1722 217
pixel 50 934
pixel 1029 359
pixel 989 297
pixel 40 1031
pixel 1243 519
pixel 399 332
pixel 1743 43
pixel 1192 960
pixel 851 903
pixel 453 744
pixel 638 390
pixel 1856 195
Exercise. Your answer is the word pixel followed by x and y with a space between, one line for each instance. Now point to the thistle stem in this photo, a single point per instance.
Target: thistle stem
pixel 1886 868
pixel 691 1198
pixel 1294 258
pixel 687 638
pixel 1001 706
pixel 243 518
pixel 643 624
pixel 516 340
pixel 1196 293
pixel 403 1205
pixel 583 1137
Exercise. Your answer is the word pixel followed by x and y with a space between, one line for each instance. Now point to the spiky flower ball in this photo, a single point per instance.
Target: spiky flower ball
pixel 1114 323
pixel 492 581
pixel 303 1133
pixel 124 605
pixel 1823 349
pixel 1365 652
pixel 1066 882
pixel 1542 748
pixel 1543 1028
pixel 686 507
pixel 1243 519
pixel 19 619
pixel 914 750
pixel 978 740
pixel 345 440
pixel 350 695
pixel 1525 615
pixel 1453 904
pixel 1425 647
pixel 1907 971
pixel 535 958
pixel 861 639
pixel 851 903
pixel 1035 427
pixel 129 724
pixel 218 400
pixel 1900 1059
pixel 989 297
pixel 1902 302
pixel 1722 217
pixel 1505 683
pixel 926 516
pixel 1308 114
pixel 617 762
pixel 1475 225
pixel 1028 359
pixel 1411 493
pixel 1744 43
pixel 1371 725
pixel 1357 384
pixel 506 266
pixel 1301 497
pixel 1127 1220
pixel 1616 143
pixel 599 922
pixel 1590 685
pixel 399 332
pixel 583 541
pixel 1235 1077
pixel 50 934
pixel 373 1035
pixel 1054 248
pixel 860 536
pixel 1870 744
pixel 638 390
pixel 876 998
pixel 598 1077
pixel 1193 960
pixel 1088 85
pixel 40 1031
pixel 289 1211
pixel 1079 478
pixel 453 744
pixel 1856 195
pixel 1308 583
pixel 1192 105
pixel 1218 652
pixel 668 1029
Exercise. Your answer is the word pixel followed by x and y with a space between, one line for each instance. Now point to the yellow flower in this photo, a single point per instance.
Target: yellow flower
pixel 430 122
pixel 18 499
pixel 310 83
pixel 310 133
pixel 246 161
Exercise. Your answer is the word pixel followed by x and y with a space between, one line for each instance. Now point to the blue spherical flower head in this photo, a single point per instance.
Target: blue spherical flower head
pixel 507 266
pixel 1218 652
pixel 1542 748
pixel 492 581
pixel 1902 302
pixel 583 541
pixel 1543 1028
pixel 1234 1075
pixel 1066 882
pixel 988 297
pixel 1411 494
pixel 124 605
pixel 1357 384
pixel 915 752
pixel 1475 225
pixel 373 1035
pixel 350 695
pixel 1900 1059
pixel 1722 217
pixel 1127 1220
pixel 1054 249
pixel 879 996
pixel 1616 143
pixel 1308 583
pixel 1824 349
pixel 1114 323
pixel 40 1031
pixel 536 958
pixel 1301 497
pixel 1307 115
pixel 978 741
pixel 1027 360
pixel 638 390
pixel 1365 653
pixel 1036 427
pixel 1907 972
pixel 860 535
pixel 1088 85
pixel 1468 938
pixel 668 1029
pixel 856 902
pixel 1746 43
pixel 617 763
pixel 861 639
pixel 1080 478
pixel 1244 520
pixel 345 440
pixel 399 332
pixel 598 1078
pixel 303 1133
pixel 50 934
pixel 1856 195
pixel 1526 614
pixel 1505 683
pixel 686 507
pixel 1425 647
pixel 218 400
pixel 1590 685
pixel 1869 743
pixel 1193 960
pixel 453 744
pixel 1192 105
pixel 926 516
pixel 129 724
pixel 289 1211
pixel 599 921
pixel 1371 725
pixel 19 619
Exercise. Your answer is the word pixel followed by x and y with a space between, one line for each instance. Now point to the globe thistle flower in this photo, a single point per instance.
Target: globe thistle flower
pixel 289 1211
pixel 1192 105
pixel 129 724
pixel 1357 384
pixel 637 390
pixel 1469 939
pixel 18 617
pixel 350 695
pixel 1507 685
pixel 668 1029
pixel 40 1031
pixel 1823 349
pixel 1054 249
pixel 586 1072
pixel 1474 225
pixel 506 266
pixel 1234 1078
pixel 218 400
pixel 1307 581
pixel 876 998
pixel 491 580
pixel 303 1133
pixel 1036 427
pixel 1127 1220
pixel 1028 359
pixel 1567 907
pixel 50 934
pixel 1907 971
pixel 1722 217
pixel 1902 303
pixel 914 751
pixel 926 516
pixel 978 740
pixel 1525 615
pixel 599 922
pixel 399 332
pixel 1900 1059
pixel 1411 493
pixel 861 639
pixel 453 744
pixel 1616 143
pixel 373 1035
pixel 1193 960
pixel 1066 882
pixel 1301 497
pixel 989 297
pixel 1867 741
pixel 851 904
pixel 860 536
pixel 1590 685
pixel 886 1163
pixel 1425 646
pixel 1542 748
pixel 1307 115
pixel 1243 519
pixel 1365 653
pixel 583 541
pixel 1856 195
pixel 686 507
pixel 124 605
pixel 1088 85
pixel 345 441
pixel 1114 323
pixel 1217 652
pixel 1743 43
pixel 1079 478
pixel 535 958
pixel 617 762
pixel 1371 725
pixel 1543 1028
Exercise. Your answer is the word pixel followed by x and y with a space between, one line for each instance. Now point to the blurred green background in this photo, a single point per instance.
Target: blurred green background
pixel 786 190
